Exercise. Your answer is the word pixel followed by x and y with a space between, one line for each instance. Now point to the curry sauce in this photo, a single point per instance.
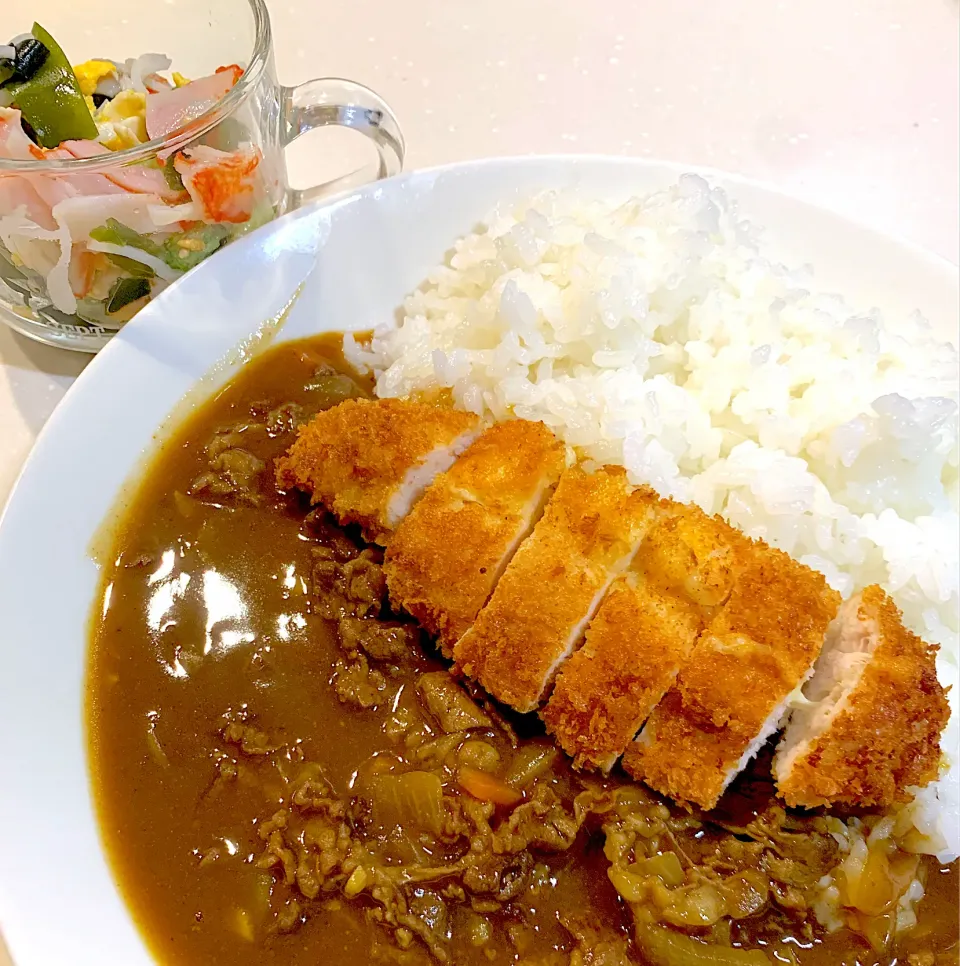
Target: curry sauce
pixel 285 772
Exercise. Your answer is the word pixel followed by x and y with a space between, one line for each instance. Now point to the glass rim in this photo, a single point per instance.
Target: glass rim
pixel 197 128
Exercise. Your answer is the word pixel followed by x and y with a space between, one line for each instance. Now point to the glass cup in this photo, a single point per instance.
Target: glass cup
pixel 176 198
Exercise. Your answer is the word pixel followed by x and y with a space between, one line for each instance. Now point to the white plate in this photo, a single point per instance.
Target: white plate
pixel 356 258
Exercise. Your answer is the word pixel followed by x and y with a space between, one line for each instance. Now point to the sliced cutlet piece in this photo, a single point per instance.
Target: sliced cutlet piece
pixel 632 651
pixel 447 555
pixel 369 460
pixel 642 635
pixel 535 617
pixel 732 693
pixel 868 725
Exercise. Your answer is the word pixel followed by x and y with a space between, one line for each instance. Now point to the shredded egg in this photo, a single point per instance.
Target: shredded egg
pixel 91 72
pixel 122 121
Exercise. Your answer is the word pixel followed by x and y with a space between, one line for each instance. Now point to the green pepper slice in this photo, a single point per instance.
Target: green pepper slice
pixel 180 251
pixel 188 248
pixel 51 102
pixel 125 291
pixel 172 176
pixel 131 266
pixel 114 232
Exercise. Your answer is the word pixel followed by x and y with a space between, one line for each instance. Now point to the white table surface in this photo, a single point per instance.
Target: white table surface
pixel 851 104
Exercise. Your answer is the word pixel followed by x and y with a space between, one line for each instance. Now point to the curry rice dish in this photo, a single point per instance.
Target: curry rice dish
pixel 288 773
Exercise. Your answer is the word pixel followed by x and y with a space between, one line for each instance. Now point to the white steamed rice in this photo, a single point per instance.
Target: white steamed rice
pixel 655 332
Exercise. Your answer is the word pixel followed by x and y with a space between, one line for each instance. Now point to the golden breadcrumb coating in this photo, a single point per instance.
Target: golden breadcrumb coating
pixel 757 649
pixel 761 643
pixel 886 735
pixel 447 555
pixel 632 651
pixel 643 633
pixel 693 555
pixel 551 588
pixel 355 457
pixel 687 760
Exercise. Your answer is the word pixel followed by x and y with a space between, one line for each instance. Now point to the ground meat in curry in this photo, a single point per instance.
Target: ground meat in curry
pixel 287 774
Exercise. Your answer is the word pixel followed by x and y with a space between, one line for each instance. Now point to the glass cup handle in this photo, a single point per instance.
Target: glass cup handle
pixel 331 100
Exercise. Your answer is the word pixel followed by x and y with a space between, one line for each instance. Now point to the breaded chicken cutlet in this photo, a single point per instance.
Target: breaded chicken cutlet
pixel 692 632
pixel 585 539
pixel 447 555
pixel 732 693
pixel 873 677
pixel 643 634
pixel 369 460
